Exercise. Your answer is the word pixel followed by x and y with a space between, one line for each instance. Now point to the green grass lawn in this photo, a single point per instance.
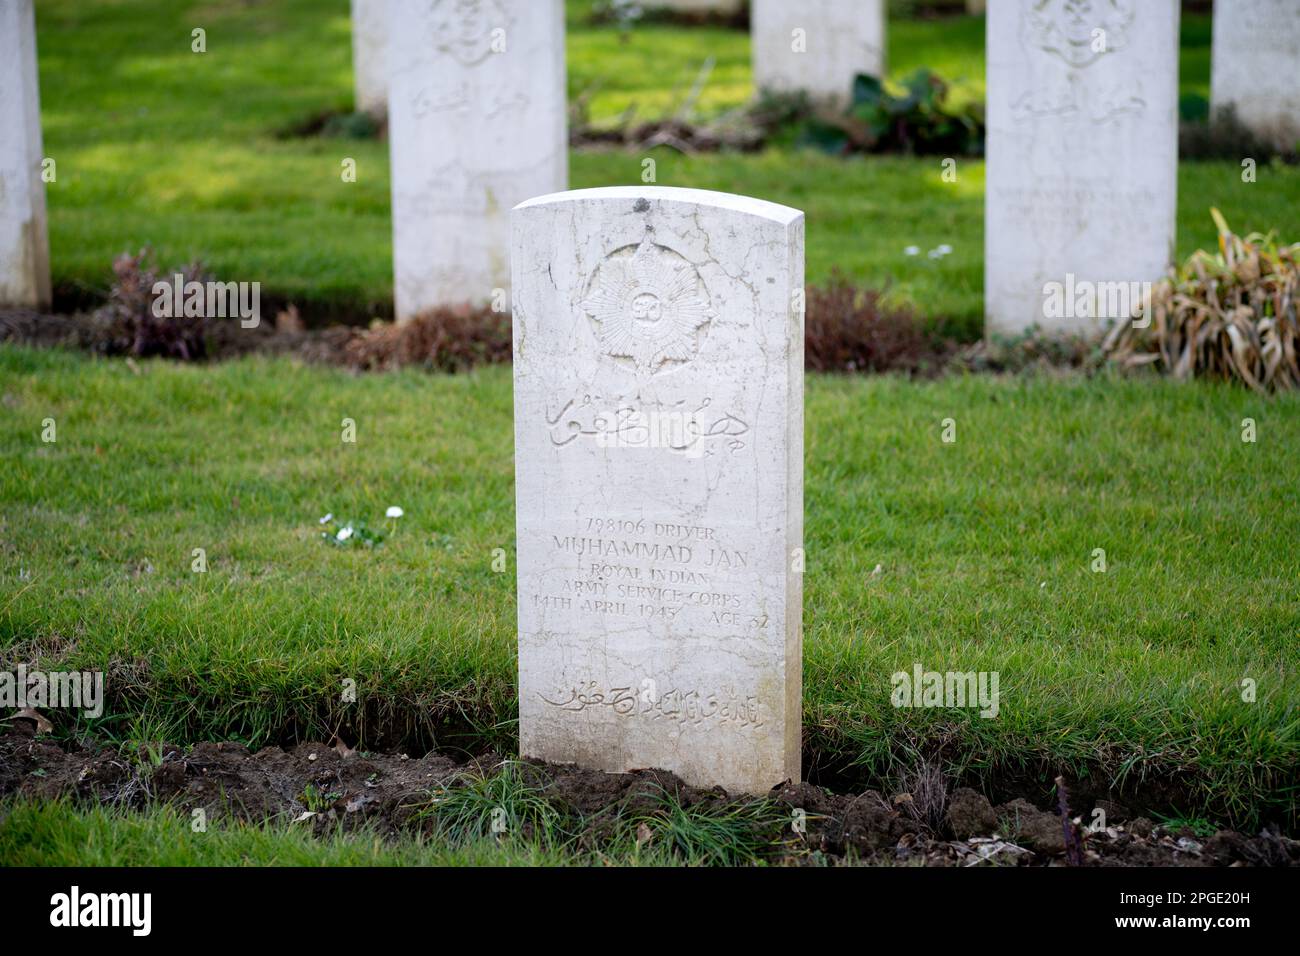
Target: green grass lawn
pixel 156 145
pixel 60 834
pixel 451 832
pixel 985 547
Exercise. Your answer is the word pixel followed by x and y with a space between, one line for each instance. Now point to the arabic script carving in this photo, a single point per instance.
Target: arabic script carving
pixel 626 425
pixel 681 706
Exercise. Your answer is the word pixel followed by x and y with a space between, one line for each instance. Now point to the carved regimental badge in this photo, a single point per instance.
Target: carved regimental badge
pixel 466 29
pixel 648 307
pixel 1080 32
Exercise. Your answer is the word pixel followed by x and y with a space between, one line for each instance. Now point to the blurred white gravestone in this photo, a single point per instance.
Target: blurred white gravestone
pixel 816 46
pixel 370 55
pixel 24 241
pixel 477 124
pixel 1082 168
pixel 658 372
pixel 1255 66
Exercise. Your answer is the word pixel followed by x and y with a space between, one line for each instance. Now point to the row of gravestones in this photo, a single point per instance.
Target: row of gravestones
pixel 1082 144
pixel 658 354
pixel 476 100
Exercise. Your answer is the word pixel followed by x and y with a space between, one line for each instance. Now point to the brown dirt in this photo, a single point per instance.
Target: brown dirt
pixel 333 786
pixel 451 339
pixel 849 329
pixel 225 339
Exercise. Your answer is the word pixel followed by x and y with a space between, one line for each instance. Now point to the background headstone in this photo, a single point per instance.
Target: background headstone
pixel 370 55
pixel 1082 144
pixel 24 241
pixel 477 124
pixel 1255 66
pixel 658 373
pixel 817 46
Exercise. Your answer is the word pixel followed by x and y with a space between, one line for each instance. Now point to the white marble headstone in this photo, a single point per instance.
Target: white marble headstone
pixel 816 46
pixel 658 371
pixel 1255 66
pixel 477 124
pixel 1082 168
pixel 370 55
pixel 24 241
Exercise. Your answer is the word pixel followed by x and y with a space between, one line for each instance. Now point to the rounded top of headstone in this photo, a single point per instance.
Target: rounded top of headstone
pixel 644 198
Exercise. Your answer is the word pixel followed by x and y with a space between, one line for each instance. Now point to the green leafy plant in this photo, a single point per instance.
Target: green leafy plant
pixel 316 800
pixel 916 119
pixel 1199 826
pixel 911 117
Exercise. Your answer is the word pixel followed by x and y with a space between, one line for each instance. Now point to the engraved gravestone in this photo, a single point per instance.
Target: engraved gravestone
pixel 369 55
pixel 1082 168
pixel 476 125
pixel 658 371
pixel 24 245
pixel 1255 66
pixel 816 46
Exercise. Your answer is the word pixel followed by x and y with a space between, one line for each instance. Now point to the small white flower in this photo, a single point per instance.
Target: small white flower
pixel 945 249
pixel 394 512
pixel 912 251
pixel 328 518
pixel 344 533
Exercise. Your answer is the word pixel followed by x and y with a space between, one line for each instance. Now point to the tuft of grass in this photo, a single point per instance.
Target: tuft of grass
pixel 658 829
pixel 501 803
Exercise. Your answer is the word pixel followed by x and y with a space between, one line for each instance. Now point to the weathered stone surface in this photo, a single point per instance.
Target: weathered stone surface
pixel 1255 66
pixel 24 242
pixel 1082 167
pixel 370 55
pixel 659 479
pixel 477 124
pixel 816 46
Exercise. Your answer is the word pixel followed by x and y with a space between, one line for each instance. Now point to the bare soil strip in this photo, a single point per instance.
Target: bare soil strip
pixel 332 788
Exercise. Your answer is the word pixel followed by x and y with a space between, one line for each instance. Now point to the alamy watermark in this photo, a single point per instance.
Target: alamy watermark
pixel 76 908
pixel 922 688
pixel 210 300
pixel 46 690
pixel 1083 299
